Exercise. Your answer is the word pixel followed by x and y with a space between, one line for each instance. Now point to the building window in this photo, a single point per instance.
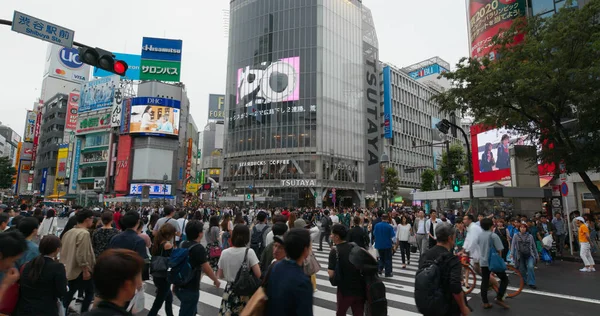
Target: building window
pixel 542 6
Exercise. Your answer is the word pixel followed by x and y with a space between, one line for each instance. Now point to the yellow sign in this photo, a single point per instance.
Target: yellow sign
pixel 192 187
pixel 61 165
pixel 214 171
pixel 18 160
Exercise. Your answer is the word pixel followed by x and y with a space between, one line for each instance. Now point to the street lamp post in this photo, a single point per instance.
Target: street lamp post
pixel 443 126
pixel 164 188
pixel 383 162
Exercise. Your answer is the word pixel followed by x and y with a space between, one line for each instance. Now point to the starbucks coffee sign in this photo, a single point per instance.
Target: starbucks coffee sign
pixel 299 183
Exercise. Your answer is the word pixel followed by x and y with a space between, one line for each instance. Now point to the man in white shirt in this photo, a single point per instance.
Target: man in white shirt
pixel 430 227
pixel 182 221
pixel 421 231
pixel 471 245
pixel 334 218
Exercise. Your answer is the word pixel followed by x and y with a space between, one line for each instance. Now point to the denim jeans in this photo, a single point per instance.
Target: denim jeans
pixel 163 295
pixel 385 260
pixel 189 301
pixel 526 267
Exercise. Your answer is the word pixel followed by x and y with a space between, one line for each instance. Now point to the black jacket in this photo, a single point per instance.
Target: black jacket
pixel 358 236
pixel 40 298
pixel 107 309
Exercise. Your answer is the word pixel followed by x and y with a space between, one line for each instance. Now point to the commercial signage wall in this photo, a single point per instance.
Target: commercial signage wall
pixel 61 165
pixel 373 107
pixel 133 67
pixel 216 107
pixel 126 116
pixel 76 159
pixel 29 132
pixel 427 71
pixel 154 116
pixel 155 188
pixel 44 179
pixel 266 83
pixel 72 110
pixel 487 18
pixel 93 122
pixel 98 94
pixel 387 103
pixel 122 167
pixel 36 137
pixel 63 63
pixel 117 109
pixel 161 59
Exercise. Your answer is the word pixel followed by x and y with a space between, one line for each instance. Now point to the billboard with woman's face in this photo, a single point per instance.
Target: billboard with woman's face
pixel 154 116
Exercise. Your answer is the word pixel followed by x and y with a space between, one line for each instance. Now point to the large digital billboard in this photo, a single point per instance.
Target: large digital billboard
pixel 154 116
pixel 269 82
pixel 490 152
pixel 487 18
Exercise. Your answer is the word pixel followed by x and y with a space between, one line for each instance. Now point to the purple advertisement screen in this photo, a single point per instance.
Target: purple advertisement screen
pixel 278 81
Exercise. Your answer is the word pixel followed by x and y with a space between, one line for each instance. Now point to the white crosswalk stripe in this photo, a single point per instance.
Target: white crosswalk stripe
pixel 400 290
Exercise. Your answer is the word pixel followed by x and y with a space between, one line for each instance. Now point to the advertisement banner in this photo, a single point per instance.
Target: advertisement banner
pixel 161 49
pixel 154 116
pixel 63 63
pixel 160 70
pixel 29 126
pixel 487 18
pixel 117 109
pixel 93 122
pixel 216 107
pixel 434 69
pixel 192 187
pixel 133 67
pixel 155 188
pixel 26 151
pixel 36 137
pixel 266 83
pixel 126 117
pixel 72 110
pixel 188 170
pixel 44 179
pixel 387 103
pixel 76 159
pixel 122 166
pixel 61 166
pixel 98 94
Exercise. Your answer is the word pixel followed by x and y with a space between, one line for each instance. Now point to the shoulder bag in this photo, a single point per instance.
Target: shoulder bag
pixel 246 283
pixel 495 261
pixel 311 265
pixel 159 264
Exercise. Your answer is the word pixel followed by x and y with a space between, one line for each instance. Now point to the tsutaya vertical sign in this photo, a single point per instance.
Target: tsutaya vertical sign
pixel 372 101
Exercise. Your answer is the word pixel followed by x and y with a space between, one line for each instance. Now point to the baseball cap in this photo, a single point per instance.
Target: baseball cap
pixel 579 218
pixel 300 223
pixel 278 239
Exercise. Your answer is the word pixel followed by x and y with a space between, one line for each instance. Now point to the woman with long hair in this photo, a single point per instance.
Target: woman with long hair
pixel 102 236
pixel 162 247
pixel 291 220
pixel 402 236
pixel 487 158
pixel 151 223
pixel 49 224
pixel 212 241
pixel 226 229
pixel 43 282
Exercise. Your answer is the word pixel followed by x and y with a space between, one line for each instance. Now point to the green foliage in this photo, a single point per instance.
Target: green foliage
pixel 7 172
pixel 428 180
pixel 391 182
pixel 457 166
pixel 536 86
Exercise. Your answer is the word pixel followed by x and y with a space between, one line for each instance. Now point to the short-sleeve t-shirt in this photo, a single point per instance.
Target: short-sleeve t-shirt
pixel 197 259
pixel 169 221
pixel 231 261
pixel 583 229
pixel 484 246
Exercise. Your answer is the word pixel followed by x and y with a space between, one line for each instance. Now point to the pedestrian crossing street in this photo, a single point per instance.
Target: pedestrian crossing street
pixel 400 289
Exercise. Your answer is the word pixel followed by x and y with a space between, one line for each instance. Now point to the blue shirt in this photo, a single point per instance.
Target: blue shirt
pixel 289 291
pixel 383 233
pixel 29 254
pixel 129 239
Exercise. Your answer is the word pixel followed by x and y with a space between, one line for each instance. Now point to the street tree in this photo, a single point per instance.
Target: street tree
pixel 390 184
pixel 428 180
pixel 546 85
pixel 456 165
pixel 7 172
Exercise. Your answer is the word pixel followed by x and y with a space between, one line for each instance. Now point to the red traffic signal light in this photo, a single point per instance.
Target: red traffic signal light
pixel 102 59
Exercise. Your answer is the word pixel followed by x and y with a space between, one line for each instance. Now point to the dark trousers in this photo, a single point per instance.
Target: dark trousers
pixel 189 301
pixel 385 260
pixel 163 294
pixel 356 303
pixel 324 235
pixel 560 244
pixel 485 284
pixel 85 286
pixel 405 251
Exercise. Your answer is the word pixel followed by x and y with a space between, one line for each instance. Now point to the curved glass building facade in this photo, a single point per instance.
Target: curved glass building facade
pixel 295 126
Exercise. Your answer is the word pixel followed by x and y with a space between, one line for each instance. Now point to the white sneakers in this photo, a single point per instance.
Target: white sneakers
pixel 587 270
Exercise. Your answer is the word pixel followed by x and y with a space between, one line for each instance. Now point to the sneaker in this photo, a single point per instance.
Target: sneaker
pixel 403 266
pixel 533 287
pixel 592 269
pixel 585 270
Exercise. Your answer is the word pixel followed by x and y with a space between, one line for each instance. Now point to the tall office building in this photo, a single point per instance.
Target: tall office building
pixel 302 103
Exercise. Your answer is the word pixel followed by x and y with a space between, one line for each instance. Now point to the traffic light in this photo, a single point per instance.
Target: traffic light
pixel 455 185
pixel 102 59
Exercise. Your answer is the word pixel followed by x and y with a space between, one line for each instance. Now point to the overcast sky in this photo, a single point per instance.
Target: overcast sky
pixel 409 31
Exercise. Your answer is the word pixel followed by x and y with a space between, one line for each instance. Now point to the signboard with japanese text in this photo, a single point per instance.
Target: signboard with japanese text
pixel 122 166
pixel 98 94
pixel 40 29
pixel 36 137
pixel 72 110
pixel 161 59
pixel 487 18
pixel 29 127
pixel 117 108
pixel 93 122
pixel 61 166
pixel 76 165
pixel 155 188
pixel 160 70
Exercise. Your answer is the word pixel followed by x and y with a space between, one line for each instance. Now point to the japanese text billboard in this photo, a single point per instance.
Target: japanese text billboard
pixel 155 188
pixel 154 116
pixel 122 169
pixel 61 166
pixel 98 94
pixel 72 110
pixel 29 132
pixel 93 122
pixel 161 59
pixel 487 18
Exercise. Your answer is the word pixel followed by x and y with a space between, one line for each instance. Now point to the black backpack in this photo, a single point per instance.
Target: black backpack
pixel 375 291
pixel 257 241
pixel 430 297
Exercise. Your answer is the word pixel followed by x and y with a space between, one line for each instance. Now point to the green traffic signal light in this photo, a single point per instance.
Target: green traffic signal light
pixel 455 185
